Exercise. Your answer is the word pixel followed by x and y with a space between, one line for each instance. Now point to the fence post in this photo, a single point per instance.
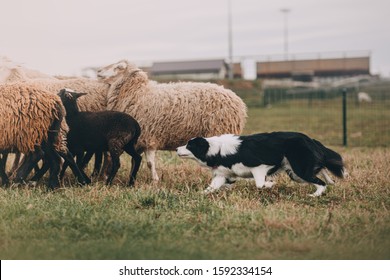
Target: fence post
pixel 344 117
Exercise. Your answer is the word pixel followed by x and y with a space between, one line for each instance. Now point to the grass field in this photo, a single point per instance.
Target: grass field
pixel 367 125
pixel 175 220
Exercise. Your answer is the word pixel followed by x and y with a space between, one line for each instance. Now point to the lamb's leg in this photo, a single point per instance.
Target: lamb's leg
pixel 86 159
pixel 115 152
pixel 107 165
pixel 98 164
pixel 151 162
pixel 82 178
pixel 135 162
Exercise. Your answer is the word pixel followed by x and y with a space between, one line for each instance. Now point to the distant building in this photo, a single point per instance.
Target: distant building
pixel 237 70
pixel 193 70
pixel 305 70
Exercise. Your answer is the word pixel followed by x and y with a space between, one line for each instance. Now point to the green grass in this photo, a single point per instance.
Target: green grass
pixel 367 125
pixel 175 220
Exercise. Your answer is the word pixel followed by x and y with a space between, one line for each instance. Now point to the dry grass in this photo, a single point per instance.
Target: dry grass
pixel 175 220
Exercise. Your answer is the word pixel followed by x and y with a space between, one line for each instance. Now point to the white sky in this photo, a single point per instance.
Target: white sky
pixel 61 37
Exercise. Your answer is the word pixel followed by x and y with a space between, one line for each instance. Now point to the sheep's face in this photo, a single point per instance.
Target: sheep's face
pixel 112 70
pixel 69 99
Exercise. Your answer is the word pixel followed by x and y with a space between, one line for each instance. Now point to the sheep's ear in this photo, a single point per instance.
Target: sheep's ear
pixel 62 92
pixel 79 94
pixel 66 93
pixel 121 65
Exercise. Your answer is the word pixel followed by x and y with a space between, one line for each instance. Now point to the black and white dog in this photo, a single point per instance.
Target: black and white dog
pixel 264 154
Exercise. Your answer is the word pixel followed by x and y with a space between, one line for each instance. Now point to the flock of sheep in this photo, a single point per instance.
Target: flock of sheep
pixel 41 119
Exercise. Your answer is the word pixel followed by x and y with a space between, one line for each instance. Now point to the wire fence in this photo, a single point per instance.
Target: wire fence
pixel 319 112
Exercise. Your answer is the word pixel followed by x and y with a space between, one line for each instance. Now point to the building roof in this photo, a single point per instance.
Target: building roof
pixel 179 67
pixel 318 67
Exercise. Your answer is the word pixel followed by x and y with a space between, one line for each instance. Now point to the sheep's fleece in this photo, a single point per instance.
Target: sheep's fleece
pixel 170 114
pixel 26 114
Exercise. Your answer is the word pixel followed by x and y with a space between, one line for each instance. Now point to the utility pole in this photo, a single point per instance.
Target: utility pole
pixel 285 12
pixel 230 40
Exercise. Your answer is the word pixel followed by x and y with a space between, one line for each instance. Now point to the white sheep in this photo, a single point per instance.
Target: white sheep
pixel 364 97
pixel 170 114
pixel 12 72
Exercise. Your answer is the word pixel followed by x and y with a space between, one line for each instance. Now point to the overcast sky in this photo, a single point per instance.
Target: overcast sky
pixel 61 37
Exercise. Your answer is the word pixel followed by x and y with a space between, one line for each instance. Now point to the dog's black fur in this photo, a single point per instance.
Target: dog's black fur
pixel 306 156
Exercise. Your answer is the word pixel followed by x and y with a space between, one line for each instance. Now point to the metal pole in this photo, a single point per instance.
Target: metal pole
pixel 285 12
pixel 230 40
pixel 345 117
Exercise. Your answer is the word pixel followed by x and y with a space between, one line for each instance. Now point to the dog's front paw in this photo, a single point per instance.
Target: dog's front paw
pixel 268 184
pixel 210 189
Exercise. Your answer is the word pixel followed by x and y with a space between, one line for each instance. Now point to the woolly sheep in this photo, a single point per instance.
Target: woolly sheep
pixel 13 72
pixel 101 131
pixel 94 101
pixel 31 118
pixel 170 114
pixel 364 97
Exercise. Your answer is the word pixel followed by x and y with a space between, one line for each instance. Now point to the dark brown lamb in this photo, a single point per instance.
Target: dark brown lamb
pixel 97 132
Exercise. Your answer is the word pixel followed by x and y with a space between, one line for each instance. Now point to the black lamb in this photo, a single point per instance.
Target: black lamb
pixel 97 132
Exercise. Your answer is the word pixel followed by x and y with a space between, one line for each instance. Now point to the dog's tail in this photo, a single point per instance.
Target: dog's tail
pixel 332 160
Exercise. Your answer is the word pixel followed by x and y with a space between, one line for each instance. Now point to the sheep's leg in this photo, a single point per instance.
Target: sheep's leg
pixel 36 168
pixel 98 164
pixel 39 174
pixel 106 165
pixel 151 162
pixel 3 174
pixel 79 159
pixel 16 163
pixel 79 166
pixel 82 178
pixel 63 169
pixel 28 163
pixel 55 165
pixel 86 160
pixel 115 165
pixel 135 162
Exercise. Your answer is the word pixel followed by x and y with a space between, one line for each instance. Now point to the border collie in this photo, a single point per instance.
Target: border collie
pixel 264 154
